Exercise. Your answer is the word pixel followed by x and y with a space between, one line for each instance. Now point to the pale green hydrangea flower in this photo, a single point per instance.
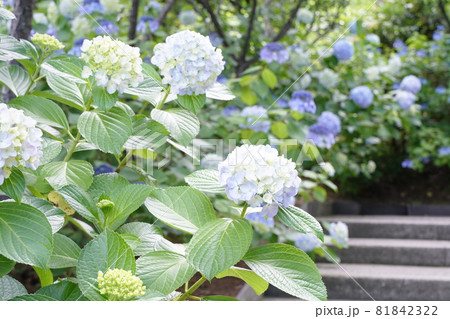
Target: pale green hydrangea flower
pixel 47 42
pixel 120 285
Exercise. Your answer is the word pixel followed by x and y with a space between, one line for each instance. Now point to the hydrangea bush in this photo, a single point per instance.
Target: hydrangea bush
pixel 67 112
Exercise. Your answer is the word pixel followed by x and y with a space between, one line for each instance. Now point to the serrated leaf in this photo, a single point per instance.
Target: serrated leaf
pixel 147 134
pixel 62 291
pixel 258 284
pixel 219 92
pixel 148 70
pixel 65 252
pixel 50 149
pixel 248 97
pixel 183 125
pixel 103 99
pixel 55 216
pixel 34 297
pixel 68 90
pixel 42 110
pixel 106 184
pixel 132 240
pixel 15 78
pixel 206 180
pixel 193 103
pixel 65 66
pixel 107 130
pixel 218 245
pixel 299 220
pixel 6 265
pixel 14 185
pixel 82 203
pixel 148 90
pixel 107 251
pixel 6 14
pixel 289 269
pixel 182 207
pixel 269 78
pixel 25 234
pixel 10 288
pixel 60 174
pixel 164 271
pixel 11 49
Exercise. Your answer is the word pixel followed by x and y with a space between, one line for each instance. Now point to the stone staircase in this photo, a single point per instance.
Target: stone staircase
pixel 391 258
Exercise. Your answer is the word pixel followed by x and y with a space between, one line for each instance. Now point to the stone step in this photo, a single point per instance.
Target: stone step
pixel 385 282
pixel 416 252
pixel 406 227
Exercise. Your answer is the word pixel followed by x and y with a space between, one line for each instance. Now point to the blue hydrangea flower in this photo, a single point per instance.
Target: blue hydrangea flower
pixel 353 26
pixel 76 48
pixel 440 89
pixel 274 51
pixel 231 110
pixel 343 50
pixel 91 6
pixel 423 106
pixel 339 233
pixel 187 17
pixel 438 34
pixel 106 27
pixel 307 242
pixel 410 83
pixel 283 103
pixel 407 163
pixel 362 96
pixel 154 5
pixel 425 160
pixel 405 99
pixel 396 86
pixel 421 53
pixel 215 39
pixel 302 101
pixel 260 219
pixel 103 169
pixel 222 79
pixel 50 31
pixel 323 133
pixel 146 24
pixel 254 115
pixel 401 47
pixel 444 151
pixel 373 38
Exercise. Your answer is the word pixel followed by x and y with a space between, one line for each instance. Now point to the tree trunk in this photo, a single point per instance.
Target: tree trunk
pixel 133 19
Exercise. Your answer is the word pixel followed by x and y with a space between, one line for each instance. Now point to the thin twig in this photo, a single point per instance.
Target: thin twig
pixel 133 19
pixel 242 57
pixel 205 4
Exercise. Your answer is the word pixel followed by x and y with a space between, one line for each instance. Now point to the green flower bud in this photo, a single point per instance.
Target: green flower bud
pixel 119 284
pixel 47 42
pixel 105 203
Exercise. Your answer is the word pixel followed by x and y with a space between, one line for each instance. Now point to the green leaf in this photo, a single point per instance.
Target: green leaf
pixel 82 203
pixel 11 49
pixel 52 96
pixel 183 208
pixel 6 265
pixel 68 90
pixel 299 220
pixel 62 291
pixel 164 271
pixel 107 130
pixel 320 194
pixel 126 201
pixel 25 234
pixel 148 90
pixel 183 125
pixel 206 180
pixel 6 14
pixel 258 284
pixel 10 288
pixel 14 185
pixel 219 298
pixel 50 149
pixel 148 70
pixel 55 216
pixel 147 134
pixel 42 110
pixel 248 97
pixel 15 78
pixel 106 184
pixel 218 245
pixel 60 174
pixel 132 240
pixel 45 276
pixel 65 252
pixel 193 103
pixel 219 92
pixel 34 297
pixel 289 269
pixel 107 251
pixel 103 99
pixel 279 130
pixel 269 78
pixel 66 67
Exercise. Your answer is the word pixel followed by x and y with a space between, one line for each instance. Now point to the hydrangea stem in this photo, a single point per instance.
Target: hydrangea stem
pixel 161 103
pixel 72 148
pixel 191 290
pixel 244 210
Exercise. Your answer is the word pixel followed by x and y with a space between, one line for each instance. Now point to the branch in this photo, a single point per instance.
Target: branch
pixel 242 58
pixel 163 14
pixel 444 13
pixel 214 20
pixel 133 19
pixel 288 23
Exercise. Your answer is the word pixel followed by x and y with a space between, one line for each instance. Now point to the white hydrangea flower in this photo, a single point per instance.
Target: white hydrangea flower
pixel 328 168
pixel 68 8
pixel 372 73
pixel 257 175
pixel 81 26
pixel 305 16
pixel 328 78
pixel 40 18
pixel 114 64
pixel 20 141
pixel 111 6
pixel 339 233
pixel 188 62
pixel 52 12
